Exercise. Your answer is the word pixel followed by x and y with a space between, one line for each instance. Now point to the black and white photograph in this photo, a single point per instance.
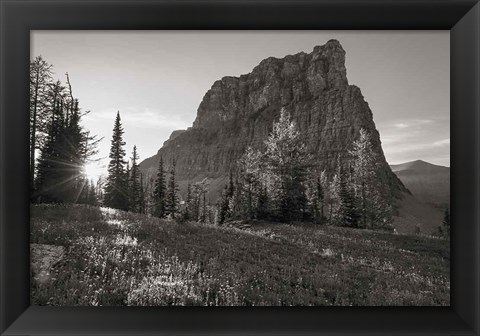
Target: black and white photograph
pixel 239 168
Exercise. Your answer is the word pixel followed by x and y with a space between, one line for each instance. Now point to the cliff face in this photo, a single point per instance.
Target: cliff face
pixel 238 112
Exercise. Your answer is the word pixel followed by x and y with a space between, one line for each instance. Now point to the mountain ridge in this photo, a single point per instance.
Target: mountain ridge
pixel 238 112
pixel 418 165
pixel 428 182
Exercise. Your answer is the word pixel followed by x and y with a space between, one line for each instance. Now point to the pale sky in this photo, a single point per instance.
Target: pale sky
pixel 157 79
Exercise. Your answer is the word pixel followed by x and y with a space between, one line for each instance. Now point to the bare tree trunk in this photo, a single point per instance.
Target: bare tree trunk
pixel 33 134
pixel 69 108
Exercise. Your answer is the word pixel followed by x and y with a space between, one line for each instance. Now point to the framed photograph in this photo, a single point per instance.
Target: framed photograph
pixel 225 155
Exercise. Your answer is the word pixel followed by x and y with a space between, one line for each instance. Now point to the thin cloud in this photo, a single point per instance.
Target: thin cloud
pixel 146 118
pixel 444 142
pixel 411 123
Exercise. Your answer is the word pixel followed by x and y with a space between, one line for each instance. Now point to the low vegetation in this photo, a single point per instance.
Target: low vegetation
pixel 120 258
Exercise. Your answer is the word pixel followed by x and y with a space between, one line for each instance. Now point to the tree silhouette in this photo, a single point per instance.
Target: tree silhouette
pixel 116 193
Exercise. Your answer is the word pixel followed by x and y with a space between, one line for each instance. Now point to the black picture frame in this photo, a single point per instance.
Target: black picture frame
pixel 18 17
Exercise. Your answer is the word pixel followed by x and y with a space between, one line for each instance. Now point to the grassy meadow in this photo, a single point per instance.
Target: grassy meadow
pixel 115 258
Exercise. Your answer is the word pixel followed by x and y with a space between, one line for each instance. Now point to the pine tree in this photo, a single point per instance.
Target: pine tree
pixel 172 193
pixel 334 201
pixel 374 207
pixel 262 206
pixel 65 146
pixel 134 184
pixel 196 200
pixel 116 193
pixel 445 227
pixel 199 201
pixel 240 195
pixel 74 155
pixel 142 201
pixel 317 196
pixel 187 215
pixel 159 195
pixel 204 217
pixel 40 84
pixel 348 207
pixel 46 181
pixel 287 160
pixel 224 206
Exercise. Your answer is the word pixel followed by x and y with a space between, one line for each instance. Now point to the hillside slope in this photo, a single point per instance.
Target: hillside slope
pixel 429 183
pixel 116 258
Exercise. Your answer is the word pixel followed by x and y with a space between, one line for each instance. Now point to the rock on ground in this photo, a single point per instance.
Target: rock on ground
pixel 42 259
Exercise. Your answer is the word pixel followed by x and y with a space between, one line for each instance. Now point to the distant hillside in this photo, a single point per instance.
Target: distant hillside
pixel 429 183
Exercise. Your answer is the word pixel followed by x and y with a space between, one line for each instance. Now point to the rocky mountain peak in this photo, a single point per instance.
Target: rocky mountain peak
pixel 238 112
pixel 275 80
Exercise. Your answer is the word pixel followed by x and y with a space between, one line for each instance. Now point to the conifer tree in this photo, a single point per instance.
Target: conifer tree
pixel 374 208
pixel 334 201
pixel 317 196
pixel 159 195
pixel 142 202
pixel 40 84
pixel 348 207
pixel 239 198
pixel 224 206
pixel 47 180
pixel 116 191
pixel 134 184
pixel 287 160
pixel 172 193
pixel 65 149
pixel 187 214
pixel 262 206
pixel 74 153
pixel 196 200
pixel 199 208
pixel 127 184
pixel 445 227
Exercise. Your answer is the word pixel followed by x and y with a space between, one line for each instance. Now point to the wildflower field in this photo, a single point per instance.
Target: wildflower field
pixel 115 258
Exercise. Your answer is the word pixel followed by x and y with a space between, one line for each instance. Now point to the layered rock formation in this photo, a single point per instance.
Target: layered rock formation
pixel 238 112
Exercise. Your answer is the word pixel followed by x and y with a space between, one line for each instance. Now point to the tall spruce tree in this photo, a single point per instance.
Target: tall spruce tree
pixel 40 85
pixel 249 174
pixel 287 161
pixel 334 201
pixel 317 196
pixel 187 214
pixel 60 176
pixel 143 202
pixel 74 154
pixel 47 182
pixel 116 193
pixel 374 207
pixel 134 184
pixel 348 206
pixel 172 192
pixel 159 195
pixel 223 206
pixel 262 206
